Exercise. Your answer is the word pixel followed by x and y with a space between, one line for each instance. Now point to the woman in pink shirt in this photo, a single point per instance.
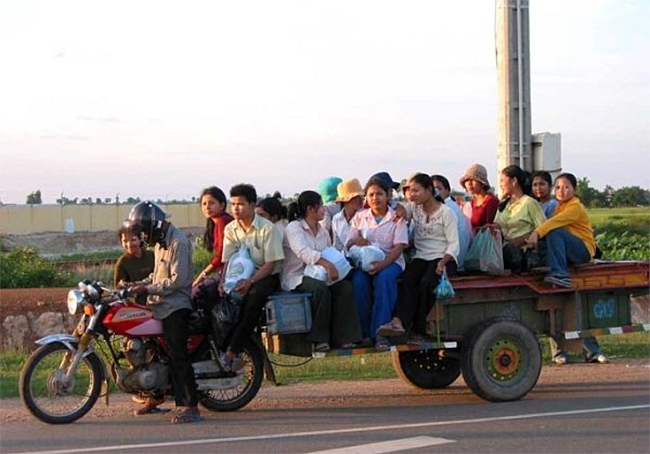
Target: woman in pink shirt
pixel 375 290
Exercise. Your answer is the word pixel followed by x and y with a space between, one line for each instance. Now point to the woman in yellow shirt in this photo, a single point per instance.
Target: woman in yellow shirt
pixel 568 233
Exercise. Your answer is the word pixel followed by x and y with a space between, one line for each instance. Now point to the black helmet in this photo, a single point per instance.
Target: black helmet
pixel 149 217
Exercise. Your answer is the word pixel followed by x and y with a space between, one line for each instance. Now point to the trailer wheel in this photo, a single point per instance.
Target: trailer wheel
pixel 426 369
pixel 502 360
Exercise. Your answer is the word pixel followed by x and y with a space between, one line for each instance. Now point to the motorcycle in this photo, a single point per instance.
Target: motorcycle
pixel 63 379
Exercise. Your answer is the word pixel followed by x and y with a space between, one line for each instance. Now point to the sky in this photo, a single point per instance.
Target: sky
pixel 160 99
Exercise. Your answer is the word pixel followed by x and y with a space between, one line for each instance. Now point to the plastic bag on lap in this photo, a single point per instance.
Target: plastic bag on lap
pixel 364 256
pixel 240 266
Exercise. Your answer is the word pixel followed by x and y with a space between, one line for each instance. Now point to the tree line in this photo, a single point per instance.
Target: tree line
pixel 628 196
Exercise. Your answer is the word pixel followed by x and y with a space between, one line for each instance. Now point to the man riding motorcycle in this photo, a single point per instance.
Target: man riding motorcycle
pixel 169 289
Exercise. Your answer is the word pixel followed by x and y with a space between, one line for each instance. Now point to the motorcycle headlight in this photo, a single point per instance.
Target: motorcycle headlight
pixel 75 301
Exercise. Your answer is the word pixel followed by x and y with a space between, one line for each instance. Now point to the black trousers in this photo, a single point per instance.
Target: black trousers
pixel 416 295
pixel 253 305
pixel 176 330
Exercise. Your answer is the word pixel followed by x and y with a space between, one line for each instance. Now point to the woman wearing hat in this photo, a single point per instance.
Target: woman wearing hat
pixel 350 197
pixel 375 290
pixel 483 206
pixel 327 191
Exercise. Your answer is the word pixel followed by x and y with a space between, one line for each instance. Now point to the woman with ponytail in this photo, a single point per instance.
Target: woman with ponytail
pixel 335 321
pixel 519 214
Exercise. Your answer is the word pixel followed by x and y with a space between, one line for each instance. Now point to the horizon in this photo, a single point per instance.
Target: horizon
pixel 216 93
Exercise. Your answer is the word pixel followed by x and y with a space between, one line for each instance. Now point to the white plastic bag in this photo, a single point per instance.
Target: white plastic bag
pixel 336 258
pixel 240 266
pixel 316 272
pixel 364 256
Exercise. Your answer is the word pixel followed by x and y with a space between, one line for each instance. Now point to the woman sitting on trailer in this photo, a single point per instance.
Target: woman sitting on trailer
pixel 518 215
pixel 272 209
pixel 335 321
pixel 436 248
pixel 569 236
pixel 542 185
pixel 483 206
pixel 375 290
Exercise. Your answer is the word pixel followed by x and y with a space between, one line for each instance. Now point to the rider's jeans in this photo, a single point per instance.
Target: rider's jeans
pixel 176 330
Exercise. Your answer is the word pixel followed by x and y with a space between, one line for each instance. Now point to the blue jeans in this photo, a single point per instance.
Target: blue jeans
pixel 564 249
pixel 589 346
pixel 375 297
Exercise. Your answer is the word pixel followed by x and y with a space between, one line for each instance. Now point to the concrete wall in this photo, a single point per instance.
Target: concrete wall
pixel 26 219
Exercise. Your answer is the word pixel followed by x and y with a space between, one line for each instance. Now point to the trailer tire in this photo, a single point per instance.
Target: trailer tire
pixel 502 360
pixel 425 369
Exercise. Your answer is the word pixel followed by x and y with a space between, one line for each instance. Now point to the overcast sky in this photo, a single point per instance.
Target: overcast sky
pixel 159 99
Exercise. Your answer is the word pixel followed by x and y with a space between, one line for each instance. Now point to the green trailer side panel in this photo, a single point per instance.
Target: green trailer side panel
pixel 605 309
pixel 460 318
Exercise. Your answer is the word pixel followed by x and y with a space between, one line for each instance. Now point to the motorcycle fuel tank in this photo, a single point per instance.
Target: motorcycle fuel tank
pixel 134 320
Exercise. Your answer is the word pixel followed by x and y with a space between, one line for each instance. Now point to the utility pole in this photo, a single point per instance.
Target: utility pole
pixel 513 76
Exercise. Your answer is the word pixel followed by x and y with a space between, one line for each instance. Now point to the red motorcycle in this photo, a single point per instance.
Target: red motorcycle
pixel 62 379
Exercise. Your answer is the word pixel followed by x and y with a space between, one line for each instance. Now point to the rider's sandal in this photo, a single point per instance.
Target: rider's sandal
pixel 187 416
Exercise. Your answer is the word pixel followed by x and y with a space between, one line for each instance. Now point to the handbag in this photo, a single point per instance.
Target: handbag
pixel 486 253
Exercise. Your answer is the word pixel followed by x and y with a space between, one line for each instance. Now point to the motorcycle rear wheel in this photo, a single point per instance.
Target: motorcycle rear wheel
pixel 239 396
pixel 48 395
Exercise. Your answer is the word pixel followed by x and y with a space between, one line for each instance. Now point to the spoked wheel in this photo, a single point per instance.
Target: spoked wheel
pixel 245 387
pixel 426 369
pixel 502 360
pixel 49 394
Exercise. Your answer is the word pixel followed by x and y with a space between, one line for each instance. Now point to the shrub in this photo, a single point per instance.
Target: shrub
pixel 624 246
pixel 23 268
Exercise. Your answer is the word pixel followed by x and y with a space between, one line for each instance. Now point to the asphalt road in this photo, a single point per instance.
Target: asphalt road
pixel 564 414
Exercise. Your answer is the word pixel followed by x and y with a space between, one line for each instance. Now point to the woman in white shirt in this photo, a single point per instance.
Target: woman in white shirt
pixel 436 250
pixel 375 290
pixel 350 197
pixel 334 317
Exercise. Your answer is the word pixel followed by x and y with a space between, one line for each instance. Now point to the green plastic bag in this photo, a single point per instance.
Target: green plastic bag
pixel 486 253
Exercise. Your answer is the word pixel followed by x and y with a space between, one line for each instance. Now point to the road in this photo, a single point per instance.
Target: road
pixel 573 409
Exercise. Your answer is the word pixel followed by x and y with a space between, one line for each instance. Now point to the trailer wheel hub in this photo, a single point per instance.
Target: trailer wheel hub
pixel 503 360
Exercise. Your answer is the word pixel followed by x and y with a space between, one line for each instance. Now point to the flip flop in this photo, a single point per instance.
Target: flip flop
pixel 187 417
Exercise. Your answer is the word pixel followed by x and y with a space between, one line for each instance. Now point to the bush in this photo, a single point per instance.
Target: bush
pixel 23 268
pixel 624 246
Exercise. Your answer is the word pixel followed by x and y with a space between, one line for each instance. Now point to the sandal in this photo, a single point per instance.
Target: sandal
pixel 390 329
pixel 321 347
pixel 150 407
pixel 382 344
pixel 187 415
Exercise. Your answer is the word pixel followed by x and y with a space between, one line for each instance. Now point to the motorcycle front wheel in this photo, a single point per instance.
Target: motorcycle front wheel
pixel 49 394
pixel 234 398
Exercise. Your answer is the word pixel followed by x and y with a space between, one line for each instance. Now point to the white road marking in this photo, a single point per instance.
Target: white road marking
pixel 339 431
pixel 388 446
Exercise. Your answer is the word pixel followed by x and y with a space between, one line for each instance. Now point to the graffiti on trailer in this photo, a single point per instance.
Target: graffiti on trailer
pixel 604 308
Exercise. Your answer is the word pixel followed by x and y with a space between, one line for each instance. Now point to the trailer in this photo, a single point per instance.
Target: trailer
pixel 490 330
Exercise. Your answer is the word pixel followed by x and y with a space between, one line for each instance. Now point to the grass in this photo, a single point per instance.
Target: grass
pixel 619 215
pixel 362 367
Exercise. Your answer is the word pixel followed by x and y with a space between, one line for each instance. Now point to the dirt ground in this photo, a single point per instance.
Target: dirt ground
pixel 35 300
